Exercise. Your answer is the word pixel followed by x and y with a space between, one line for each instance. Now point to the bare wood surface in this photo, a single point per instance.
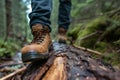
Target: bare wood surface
pixel 45 68
pixel 58 70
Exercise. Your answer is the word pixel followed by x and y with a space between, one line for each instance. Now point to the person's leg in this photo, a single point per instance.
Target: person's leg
pixel 63 19
pixel 64 14
pixel 41 11
pixel 40 27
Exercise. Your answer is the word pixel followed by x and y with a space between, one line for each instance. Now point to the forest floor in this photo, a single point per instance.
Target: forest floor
pixel 78 65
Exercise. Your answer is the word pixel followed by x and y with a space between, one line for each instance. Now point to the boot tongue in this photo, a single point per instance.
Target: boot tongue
pixel 62 31
pixel 38 36
pixel 39 32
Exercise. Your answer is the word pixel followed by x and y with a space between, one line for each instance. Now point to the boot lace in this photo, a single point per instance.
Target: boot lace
pixel 39 35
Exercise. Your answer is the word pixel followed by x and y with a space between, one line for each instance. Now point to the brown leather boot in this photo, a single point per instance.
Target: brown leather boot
pixel 62 38
pixel 39 47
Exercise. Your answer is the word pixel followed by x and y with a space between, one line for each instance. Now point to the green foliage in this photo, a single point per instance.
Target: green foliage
pixel 117 43
pixel 74 32
pixel 101 46
pixel 2 19
pixel 19 18
pixel 102 16
pixel 106 41
pixel 105 27
pixel 79 5
pixel 87 43
pixel 16 32
pixel 89 1
pixel 82 30
pixel 99 24
pixel 8 48
pixel 112 58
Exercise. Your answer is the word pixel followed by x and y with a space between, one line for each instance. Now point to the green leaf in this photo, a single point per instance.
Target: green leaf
pixel 89 1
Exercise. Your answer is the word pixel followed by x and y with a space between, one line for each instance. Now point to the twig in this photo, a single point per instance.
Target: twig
pixel 7 69
pixel 14 73
pixel 90 35
pixel 89 50
pixel 12 64
pixel 112 13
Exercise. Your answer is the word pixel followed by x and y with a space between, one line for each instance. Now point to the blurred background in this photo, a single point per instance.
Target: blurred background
pixel 95 25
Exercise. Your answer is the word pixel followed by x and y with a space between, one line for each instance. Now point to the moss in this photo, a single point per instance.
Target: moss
pixel 8 48
pixel 108 26
pixel 99 24
pixel 108 41
pixel 89 43
pixel 116 43
pixel 74 32
pixel 112 58
pixel 101 46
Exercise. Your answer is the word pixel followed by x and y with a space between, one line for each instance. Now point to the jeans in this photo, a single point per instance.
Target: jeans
pixel 41 11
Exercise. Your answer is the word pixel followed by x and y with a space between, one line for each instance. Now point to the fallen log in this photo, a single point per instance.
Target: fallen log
pixel 51 69
pixel 69 63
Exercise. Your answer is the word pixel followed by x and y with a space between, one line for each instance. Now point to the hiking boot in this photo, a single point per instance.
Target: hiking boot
pixel 62 38
pixel 39 47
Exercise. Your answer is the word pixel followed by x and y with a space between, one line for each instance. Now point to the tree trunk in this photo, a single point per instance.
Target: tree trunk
pixel 9 27
pixel 2 19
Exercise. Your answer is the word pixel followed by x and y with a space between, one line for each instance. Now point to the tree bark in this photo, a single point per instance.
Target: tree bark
pixel 69 63
pixel 9 27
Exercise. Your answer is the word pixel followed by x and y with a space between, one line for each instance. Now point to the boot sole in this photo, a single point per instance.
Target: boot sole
pixel 34 56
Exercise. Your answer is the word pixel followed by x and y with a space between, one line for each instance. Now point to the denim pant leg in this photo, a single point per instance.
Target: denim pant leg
pixel 64 14
pixel 41 11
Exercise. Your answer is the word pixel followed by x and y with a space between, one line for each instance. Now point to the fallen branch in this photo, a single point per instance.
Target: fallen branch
pixel 90 35
pixel 7 69
pixel 12 64
pixel 89 50
pixel 112 13
pixel 14 73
